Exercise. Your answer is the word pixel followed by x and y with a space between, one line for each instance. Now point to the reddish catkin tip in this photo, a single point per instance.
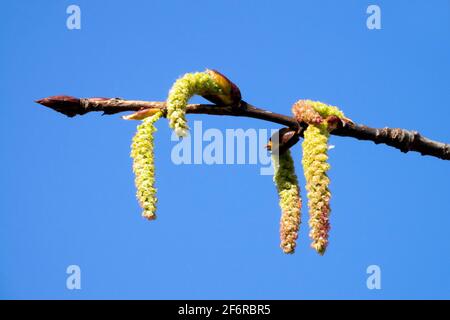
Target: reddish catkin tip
pixel 304 112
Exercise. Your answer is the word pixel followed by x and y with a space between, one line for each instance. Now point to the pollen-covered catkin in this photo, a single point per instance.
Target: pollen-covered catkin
pixel 184 88
pixel 144 166
pixel 315 166
pixel 289 197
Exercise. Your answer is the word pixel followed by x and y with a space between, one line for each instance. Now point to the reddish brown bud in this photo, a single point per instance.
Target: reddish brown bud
pixel 282 140
pixel 231 95
pixel 70 106
pixel 333 122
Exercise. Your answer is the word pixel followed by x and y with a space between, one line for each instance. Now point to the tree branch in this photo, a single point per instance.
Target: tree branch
pixel 404 140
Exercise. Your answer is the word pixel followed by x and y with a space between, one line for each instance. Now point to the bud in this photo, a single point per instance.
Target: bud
pixel 282 140
pixel 68 105
pixel 333 123
pixel 229 92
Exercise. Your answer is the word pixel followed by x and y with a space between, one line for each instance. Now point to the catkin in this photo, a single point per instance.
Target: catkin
pixel 200 83
pixel 315 166
pixel 289 198
pixel 144 165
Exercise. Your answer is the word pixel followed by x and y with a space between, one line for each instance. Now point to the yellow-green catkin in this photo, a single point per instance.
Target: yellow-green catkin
pixel 315 166
pixel 200 83
pixel 144 166
pixel 289 197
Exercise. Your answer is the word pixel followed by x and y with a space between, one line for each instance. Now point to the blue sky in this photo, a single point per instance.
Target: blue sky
pixel 67 195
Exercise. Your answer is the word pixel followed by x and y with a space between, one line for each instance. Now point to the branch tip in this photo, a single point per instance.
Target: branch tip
pixel 68 105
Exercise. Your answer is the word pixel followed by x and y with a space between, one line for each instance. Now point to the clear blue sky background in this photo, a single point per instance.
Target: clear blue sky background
pixel 66 190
